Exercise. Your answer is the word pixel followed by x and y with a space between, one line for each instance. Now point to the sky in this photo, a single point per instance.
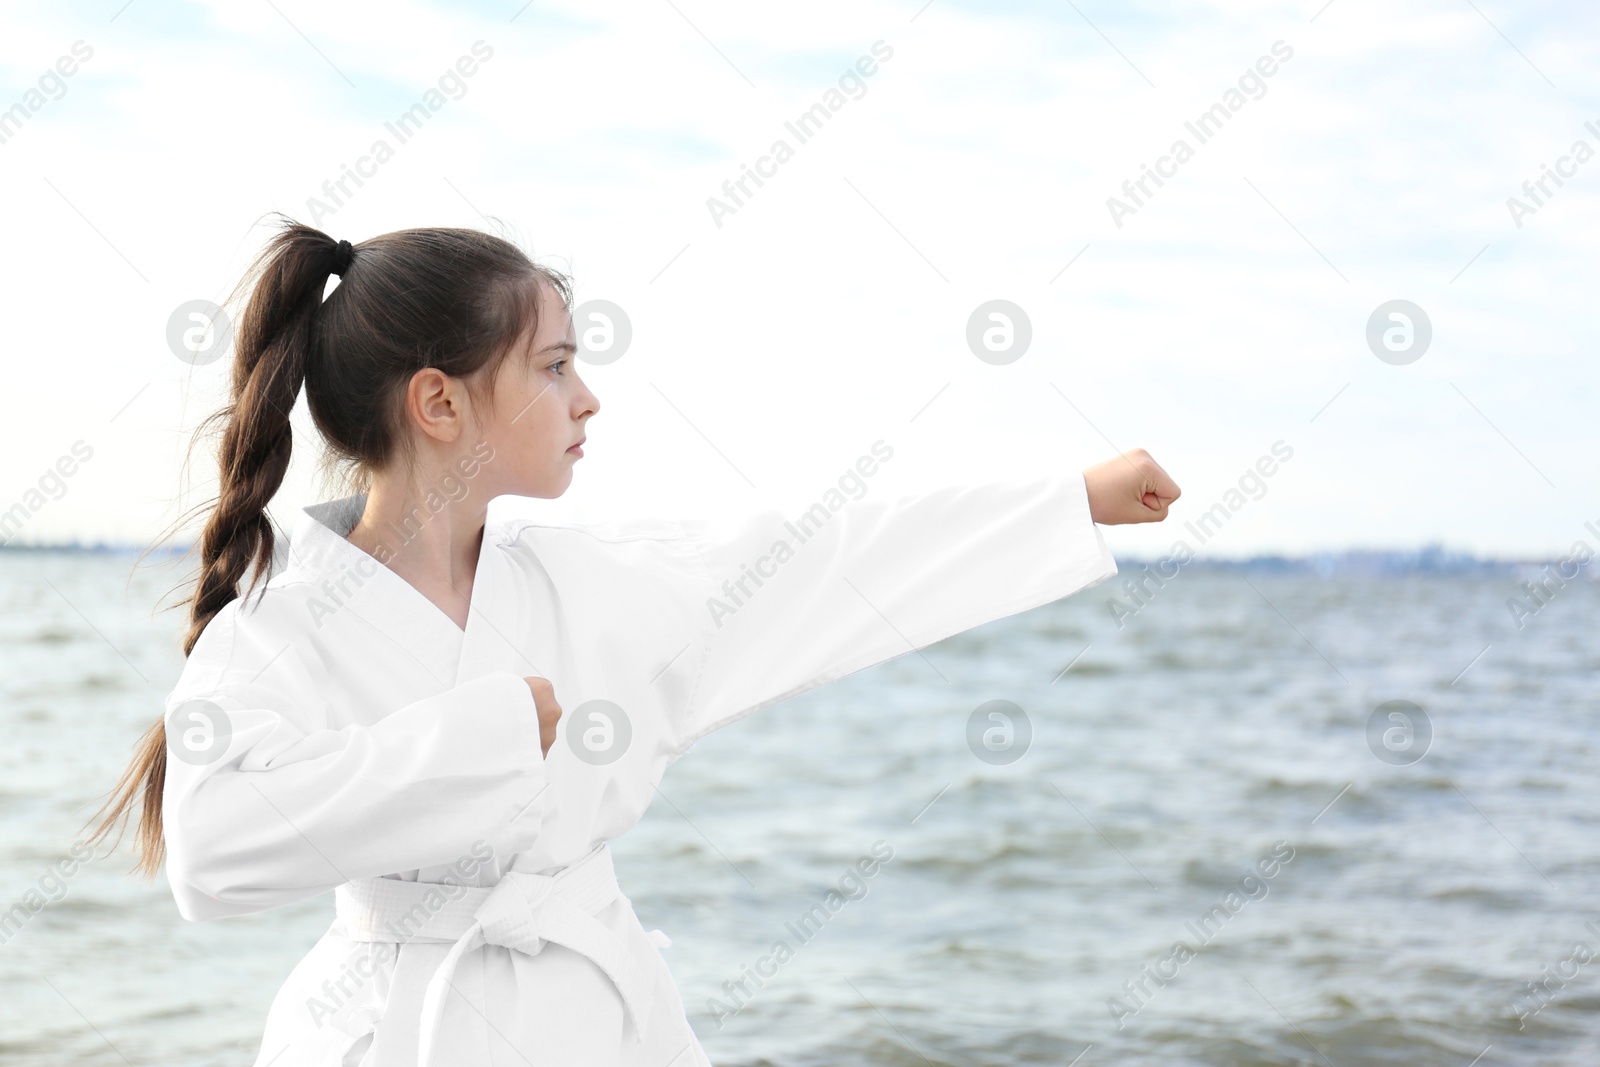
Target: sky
pixel 1358 154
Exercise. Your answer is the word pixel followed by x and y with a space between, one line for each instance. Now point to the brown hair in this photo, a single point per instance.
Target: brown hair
pixel 452 299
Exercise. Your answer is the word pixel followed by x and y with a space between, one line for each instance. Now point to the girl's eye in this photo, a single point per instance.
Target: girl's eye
pixel 557 365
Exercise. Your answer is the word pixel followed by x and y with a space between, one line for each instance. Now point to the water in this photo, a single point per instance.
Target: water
pixel 1175 754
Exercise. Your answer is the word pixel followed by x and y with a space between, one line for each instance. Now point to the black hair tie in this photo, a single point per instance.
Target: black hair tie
pixel 342 257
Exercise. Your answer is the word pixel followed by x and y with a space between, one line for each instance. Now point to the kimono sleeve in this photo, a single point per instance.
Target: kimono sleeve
pixel 259 810
pixel 799 602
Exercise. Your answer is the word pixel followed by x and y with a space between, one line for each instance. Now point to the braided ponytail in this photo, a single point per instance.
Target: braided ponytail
pixel 272 348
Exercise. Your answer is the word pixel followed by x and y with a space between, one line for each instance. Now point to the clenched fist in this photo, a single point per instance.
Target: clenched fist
pixel 1130 488
pixel 544 698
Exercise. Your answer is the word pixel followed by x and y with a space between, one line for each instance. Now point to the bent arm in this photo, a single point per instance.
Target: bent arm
pixel 279 813
pixel 798 601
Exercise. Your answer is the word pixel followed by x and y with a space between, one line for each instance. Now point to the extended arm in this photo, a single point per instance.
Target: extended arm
pixel 800 601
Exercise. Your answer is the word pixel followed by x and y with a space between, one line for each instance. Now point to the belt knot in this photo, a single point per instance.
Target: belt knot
pixel 522 912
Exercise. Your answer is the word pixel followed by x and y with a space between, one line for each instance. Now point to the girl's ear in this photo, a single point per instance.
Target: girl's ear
pixel 437 404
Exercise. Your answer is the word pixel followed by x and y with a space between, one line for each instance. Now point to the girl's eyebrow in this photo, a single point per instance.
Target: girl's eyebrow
pixel 559 346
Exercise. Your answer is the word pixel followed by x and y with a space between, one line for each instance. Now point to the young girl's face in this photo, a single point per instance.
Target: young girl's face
pixel 539 410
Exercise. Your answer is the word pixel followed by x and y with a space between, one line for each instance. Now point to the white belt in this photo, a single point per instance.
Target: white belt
pixel 521 912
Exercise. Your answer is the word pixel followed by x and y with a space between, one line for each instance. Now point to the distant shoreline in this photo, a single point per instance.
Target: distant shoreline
pixel 1432 559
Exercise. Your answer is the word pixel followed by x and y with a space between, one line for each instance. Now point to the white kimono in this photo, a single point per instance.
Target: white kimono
pixel 341 733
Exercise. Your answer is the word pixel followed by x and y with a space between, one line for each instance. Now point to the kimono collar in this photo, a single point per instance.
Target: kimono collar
pixel 340 515
pixel 310 543
pixel 318 543
pixel 347 576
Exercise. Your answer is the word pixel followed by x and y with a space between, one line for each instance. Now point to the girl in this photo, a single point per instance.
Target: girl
pixel 382 720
